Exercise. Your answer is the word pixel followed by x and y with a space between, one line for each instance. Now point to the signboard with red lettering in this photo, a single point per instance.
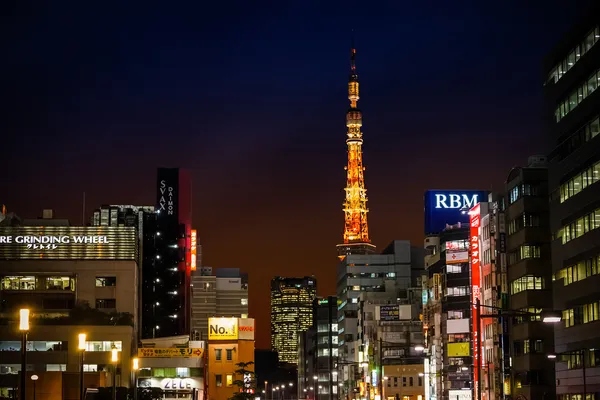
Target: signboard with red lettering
pixel 474 250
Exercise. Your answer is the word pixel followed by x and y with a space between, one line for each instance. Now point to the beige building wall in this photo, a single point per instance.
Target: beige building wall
pixel 404 381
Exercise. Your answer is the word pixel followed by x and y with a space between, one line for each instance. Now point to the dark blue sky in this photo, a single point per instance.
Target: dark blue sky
pixel 251 97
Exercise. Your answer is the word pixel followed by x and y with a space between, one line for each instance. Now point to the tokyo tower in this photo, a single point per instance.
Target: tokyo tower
pixel 356 228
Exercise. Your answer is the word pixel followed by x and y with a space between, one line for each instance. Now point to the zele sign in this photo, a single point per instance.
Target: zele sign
pixel 456 200
pixel 222 329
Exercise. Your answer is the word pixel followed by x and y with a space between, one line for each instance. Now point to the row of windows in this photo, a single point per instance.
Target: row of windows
pixel 580 227
pixel 524 220
pixel 38 283
pixel 219 354
pixel 458 291
pixel 534 314
pixel 576 396
pixel 228 380
pixel 527 282
pixel 589 131
pixel 561 69
pixel 577 96
pixel 581 314
pixel 528 346
pixel 406 381
pixel 521 190
pixel 579 182
pixel 575 360
pixel 580 271
pixel 524 252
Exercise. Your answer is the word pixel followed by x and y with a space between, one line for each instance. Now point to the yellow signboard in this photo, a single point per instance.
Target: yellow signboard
pixel 459 349
pixel 169 352
pixel 222 329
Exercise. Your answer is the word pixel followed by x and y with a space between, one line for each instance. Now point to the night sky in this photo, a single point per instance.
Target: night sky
pixel 251 98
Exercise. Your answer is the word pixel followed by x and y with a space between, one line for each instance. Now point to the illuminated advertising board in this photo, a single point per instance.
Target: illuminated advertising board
pixel 461 349
pixel 169 352
pixel 194 249
pixel 475 223
pixel 222 329
pixel 68 243
pixel 167 193
pixel 449 207
pixel 460 394
pixel 246 328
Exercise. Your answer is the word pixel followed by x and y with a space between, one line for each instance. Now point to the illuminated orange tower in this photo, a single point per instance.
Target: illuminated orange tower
pixel 356 228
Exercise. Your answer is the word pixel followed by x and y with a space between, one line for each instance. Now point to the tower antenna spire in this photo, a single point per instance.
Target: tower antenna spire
pixel 356 228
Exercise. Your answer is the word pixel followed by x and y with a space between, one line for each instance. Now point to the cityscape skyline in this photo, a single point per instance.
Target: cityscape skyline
pixel 231 222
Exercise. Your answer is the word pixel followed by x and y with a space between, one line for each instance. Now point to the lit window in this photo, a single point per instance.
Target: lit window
pixel 229 380
pixel 102 281
pixel 244 302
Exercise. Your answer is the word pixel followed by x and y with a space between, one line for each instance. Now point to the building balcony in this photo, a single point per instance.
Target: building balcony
pixel 577 293
pixel 531 298
pixel 532 329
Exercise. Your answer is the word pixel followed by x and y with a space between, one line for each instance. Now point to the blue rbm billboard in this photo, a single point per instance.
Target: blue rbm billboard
pixel 448 207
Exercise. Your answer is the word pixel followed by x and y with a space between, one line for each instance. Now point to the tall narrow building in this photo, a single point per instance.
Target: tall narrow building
pixel 291 314
pixel 356 229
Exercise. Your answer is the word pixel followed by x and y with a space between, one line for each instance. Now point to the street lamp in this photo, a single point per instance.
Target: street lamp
pixel 135 368
pixel 81 348
pixel 114 358
pixel 548 317
pixel 34 378
pixel 580 353
pixel 24 328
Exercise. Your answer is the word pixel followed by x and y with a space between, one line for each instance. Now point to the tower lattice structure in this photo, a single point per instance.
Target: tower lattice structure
pixel 356 227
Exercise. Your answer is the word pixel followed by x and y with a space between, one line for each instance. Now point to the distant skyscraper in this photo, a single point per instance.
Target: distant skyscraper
pixel 291 313
pixel 166 283
pixel 356 229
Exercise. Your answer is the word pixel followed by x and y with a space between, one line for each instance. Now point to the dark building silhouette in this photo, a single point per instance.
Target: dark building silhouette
pixel 166 280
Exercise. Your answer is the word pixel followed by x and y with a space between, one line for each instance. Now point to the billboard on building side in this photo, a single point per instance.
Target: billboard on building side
pixel 169 352
pixel 68 243
pixel 449 207
pixel 194 249
pixel 474 224
pixel 222 329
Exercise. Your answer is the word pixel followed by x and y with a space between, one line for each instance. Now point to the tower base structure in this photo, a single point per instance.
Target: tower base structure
pixel 345 249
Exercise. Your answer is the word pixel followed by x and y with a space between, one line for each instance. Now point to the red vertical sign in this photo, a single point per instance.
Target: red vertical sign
pixel 475 222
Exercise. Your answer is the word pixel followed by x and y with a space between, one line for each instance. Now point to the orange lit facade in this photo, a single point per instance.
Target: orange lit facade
pixel 356 229
pixel 231 341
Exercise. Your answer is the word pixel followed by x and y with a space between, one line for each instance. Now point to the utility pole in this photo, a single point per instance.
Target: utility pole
pixel 380 381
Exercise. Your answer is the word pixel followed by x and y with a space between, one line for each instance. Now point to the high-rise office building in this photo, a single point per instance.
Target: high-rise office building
pixel 573 100
pixel 392 274
pixel 318 351
pixel 356 228
pixel 166 282
pixel 526 244
pixel 219 292
pixel 291 313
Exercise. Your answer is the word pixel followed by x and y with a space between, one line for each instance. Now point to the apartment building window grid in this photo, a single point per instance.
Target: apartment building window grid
pixel 574 55
pixel 577 96
pixel 580 271
pixel 528 282
pixel 580 227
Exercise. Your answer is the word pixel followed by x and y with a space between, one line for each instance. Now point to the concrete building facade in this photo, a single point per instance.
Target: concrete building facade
pixel 573 104
pixel 219 292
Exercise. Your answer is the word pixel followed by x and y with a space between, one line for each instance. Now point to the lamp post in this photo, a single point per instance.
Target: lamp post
pixel 576 353
pixel 114 358
pixel 81 348
pixel 34 378
pixel 24 328
pixel 548 317
pixel 135 368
